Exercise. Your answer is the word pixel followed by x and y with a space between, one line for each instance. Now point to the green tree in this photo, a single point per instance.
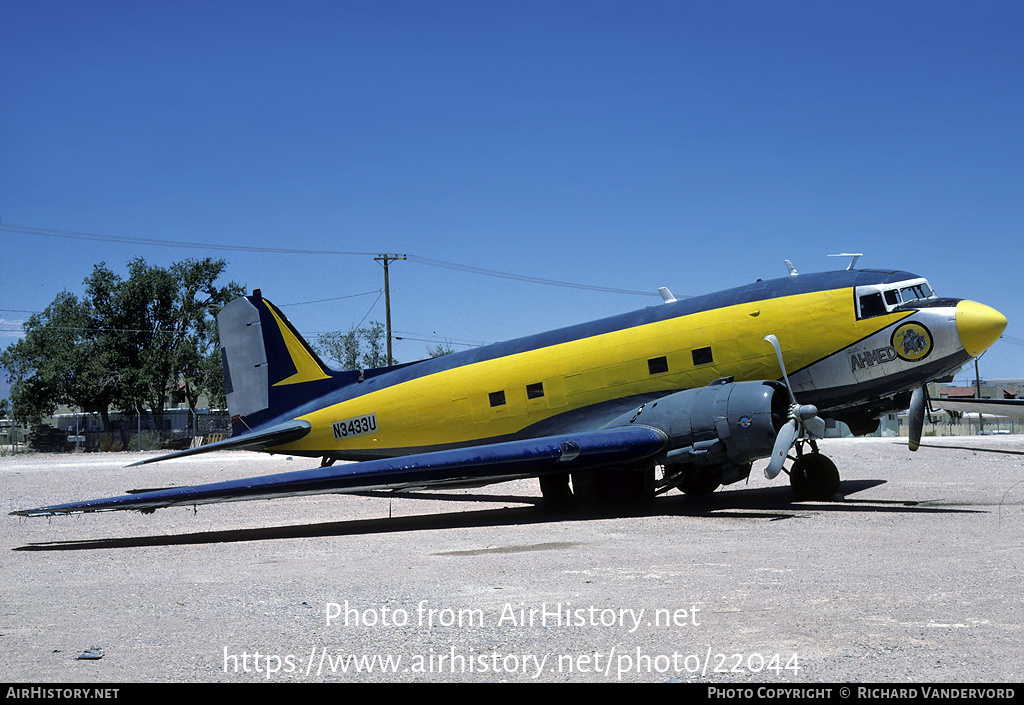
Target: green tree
pixel 376 354
pixel 441 349
pixel 342 348
pixel 57 362
pixel 358 348
pixel 134 324
pixel 128 343
pixel 196 348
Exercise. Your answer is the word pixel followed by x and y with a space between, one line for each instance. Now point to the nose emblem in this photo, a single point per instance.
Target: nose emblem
pixel 912 341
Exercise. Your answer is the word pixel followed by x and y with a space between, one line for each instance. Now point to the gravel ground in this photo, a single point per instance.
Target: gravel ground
pixel 913 574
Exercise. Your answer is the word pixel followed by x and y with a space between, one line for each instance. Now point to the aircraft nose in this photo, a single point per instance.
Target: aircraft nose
pixel 979 326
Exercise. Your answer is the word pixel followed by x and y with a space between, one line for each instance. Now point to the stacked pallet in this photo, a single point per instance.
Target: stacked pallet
pixel 47 439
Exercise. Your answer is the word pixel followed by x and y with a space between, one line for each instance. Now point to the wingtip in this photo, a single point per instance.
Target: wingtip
pixel 34 513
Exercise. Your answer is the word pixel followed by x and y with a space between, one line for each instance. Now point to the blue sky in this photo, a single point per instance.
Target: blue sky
pixel 627 145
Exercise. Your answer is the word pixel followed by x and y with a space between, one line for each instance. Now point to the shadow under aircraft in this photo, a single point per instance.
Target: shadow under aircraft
pixel 764 503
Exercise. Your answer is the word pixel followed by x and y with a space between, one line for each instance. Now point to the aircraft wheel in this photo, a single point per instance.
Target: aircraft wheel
pixel 611 490
pixel 557 493
pixel 642 486
pixel 814 476
pixel 584 491
pixel 700 482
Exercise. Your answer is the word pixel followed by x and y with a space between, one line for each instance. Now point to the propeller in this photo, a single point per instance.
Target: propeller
pixel 918 402
pixel 803 421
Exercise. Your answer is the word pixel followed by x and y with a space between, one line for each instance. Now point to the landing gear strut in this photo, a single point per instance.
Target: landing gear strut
pixel 813 476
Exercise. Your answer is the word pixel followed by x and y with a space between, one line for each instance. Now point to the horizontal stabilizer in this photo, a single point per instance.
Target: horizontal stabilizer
pixel 463 467
pixel 257 440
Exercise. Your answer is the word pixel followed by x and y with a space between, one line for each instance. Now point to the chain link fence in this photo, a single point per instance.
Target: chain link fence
pixel 176 429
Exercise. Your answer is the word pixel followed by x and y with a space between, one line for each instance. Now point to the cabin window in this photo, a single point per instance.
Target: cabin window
pixel 657 365
pixel 702 356
pixel 892 298
pixel 497 398
pixel 535 391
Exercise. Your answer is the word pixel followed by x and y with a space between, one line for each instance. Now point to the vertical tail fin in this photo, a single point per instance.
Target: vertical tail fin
pixel 268 367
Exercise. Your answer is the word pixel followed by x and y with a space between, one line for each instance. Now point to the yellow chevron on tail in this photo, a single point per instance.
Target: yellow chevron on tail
pixel 308 369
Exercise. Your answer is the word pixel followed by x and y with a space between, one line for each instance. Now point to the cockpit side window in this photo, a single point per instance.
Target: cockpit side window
pixel 871 305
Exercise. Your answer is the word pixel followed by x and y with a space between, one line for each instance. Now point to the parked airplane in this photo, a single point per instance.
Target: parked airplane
pixel 701 387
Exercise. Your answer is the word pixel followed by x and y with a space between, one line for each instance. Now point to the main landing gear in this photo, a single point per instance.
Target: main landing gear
pixel 813 476
pixel 608 491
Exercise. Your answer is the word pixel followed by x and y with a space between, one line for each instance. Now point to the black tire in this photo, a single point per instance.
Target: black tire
pixel 611 491
pixel 557 493
pixel 814 477
pixel 700 482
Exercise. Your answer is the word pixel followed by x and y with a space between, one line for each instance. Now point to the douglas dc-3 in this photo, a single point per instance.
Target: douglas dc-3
pixel 701 387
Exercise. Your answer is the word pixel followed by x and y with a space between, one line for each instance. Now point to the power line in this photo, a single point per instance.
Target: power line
pixel 76 235
pixel 523 277
pixel 321 301
pixel 434 338
pixel 365 315
pixel 297 303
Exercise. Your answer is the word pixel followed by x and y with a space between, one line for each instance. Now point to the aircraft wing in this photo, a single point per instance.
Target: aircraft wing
pixel 992 407
pixel 464 467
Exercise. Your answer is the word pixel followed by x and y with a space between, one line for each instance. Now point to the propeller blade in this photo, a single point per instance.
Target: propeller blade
pixel 803 421
pixel 783 442
pixel 782 365
pixel 917 404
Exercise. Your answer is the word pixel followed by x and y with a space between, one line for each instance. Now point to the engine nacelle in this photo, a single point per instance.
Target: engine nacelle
pixel 724 426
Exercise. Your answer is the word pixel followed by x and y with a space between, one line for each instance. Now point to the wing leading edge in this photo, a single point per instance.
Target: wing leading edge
pixel 464 467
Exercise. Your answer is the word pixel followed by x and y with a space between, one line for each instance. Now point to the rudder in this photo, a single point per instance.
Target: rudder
pixel 267 364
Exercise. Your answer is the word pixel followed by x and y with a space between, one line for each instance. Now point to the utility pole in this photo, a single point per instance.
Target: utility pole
pixel 385 260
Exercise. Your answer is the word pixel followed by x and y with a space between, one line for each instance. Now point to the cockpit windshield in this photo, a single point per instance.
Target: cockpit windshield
pixel 916 292
pixel 877 300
